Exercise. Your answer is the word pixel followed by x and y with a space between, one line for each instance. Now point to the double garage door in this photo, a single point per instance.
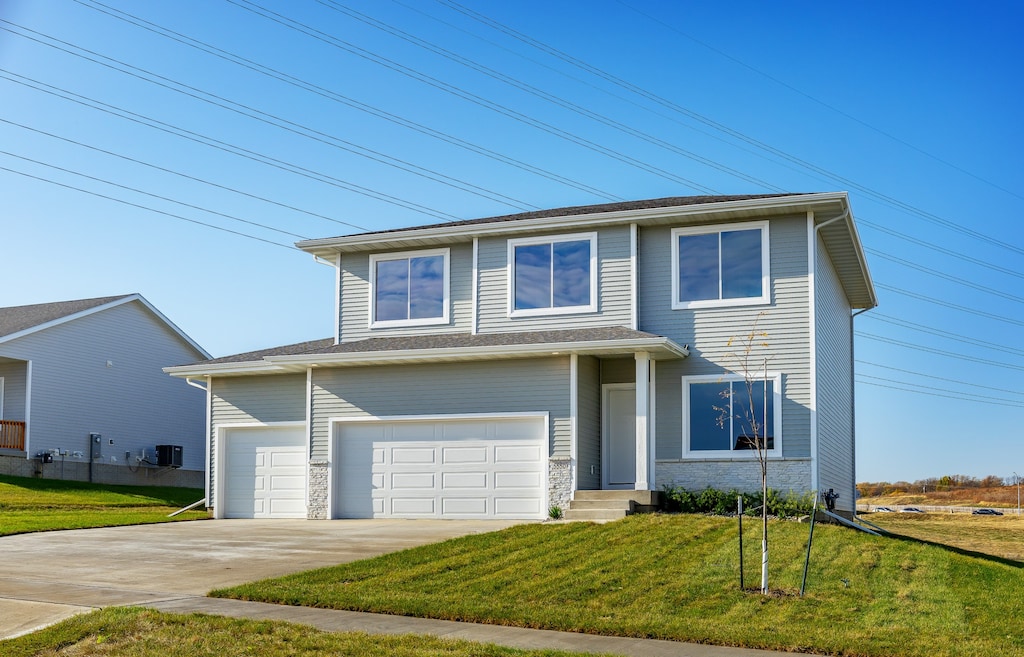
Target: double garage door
pixel 440 469
pixel 492 468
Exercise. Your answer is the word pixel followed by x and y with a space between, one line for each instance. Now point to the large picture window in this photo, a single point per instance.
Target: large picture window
pixel 409 289
pixel 553 275
pixel 720 266
pixel 720 414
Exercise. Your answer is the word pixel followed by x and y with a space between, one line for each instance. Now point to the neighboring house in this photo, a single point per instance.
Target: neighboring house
pixel 74 370
pixel 495 367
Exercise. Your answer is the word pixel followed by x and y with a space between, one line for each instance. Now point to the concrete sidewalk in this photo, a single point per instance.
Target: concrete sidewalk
pixel 515 637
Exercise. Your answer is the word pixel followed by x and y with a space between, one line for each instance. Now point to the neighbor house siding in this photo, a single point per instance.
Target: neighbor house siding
pixel 511 386
pixel 613 286
pixel 708 332
pixel 253 400
pixel 13 403
pixel 834 394
pixel 588 424
pixel 355 296
pixel 88 371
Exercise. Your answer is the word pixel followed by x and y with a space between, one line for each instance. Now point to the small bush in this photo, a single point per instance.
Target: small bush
pixel 555 513
pixel 723 503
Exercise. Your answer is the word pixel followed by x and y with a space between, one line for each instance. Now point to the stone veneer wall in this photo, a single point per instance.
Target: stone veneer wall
pixel 319 485
pixel 559 483
pixel 102 473
pixel 740 474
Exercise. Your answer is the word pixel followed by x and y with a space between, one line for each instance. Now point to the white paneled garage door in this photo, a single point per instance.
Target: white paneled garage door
pixel 493 468
pixel 264 472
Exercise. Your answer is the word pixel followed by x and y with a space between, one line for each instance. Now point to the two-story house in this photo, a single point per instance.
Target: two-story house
pixel 492 368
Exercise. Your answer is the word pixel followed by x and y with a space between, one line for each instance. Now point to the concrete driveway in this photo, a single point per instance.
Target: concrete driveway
pixel 48 576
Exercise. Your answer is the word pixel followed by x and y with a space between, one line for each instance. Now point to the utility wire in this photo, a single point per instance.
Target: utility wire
pixel 539 93
pixel 942 378
pixel 824 104
pixel 267 118
pixel 736 134
pixel 941 352
pixel 198 138
pixel 936 394
pixel 466 95
pixel 151 195
pixel 149 209
pixel 917 386
pixel 945 276
pixel 340 98
pixel 947 304
pixel 171 171
pixel 888 319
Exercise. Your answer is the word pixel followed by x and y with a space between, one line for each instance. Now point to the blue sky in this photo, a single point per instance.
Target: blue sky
pixel 493 108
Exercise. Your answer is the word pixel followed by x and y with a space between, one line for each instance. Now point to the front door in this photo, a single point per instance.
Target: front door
pixel 619 436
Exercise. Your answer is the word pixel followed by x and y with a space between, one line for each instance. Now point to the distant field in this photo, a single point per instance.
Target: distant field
pixel 998 536
pixel 1002 497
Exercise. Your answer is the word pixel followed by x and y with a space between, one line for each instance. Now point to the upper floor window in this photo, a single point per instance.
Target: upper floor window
pixel 409 289
pixel 722 414
pixel 552 275
pixel 720 266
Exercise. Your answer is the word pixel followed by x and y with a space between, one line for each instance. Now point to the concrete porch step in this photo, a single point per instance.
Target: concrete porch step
pixel 601 504
pixel 596 514
pixel 644 497
pixel 611 504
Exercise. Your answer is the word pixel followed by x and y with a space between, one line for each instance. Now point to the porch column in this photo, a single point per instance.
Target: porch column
pixel 643 378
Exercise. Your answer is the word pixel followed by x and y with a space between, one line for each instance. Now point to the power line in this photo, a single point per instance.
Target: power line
pixel 824 104
pixel 149 209
pixel 945 276
pixel 947 304
pixel 271 119
pixel 944 334
pixel 557 100
pixel 340 98
pixel 964 395
pixel 466 95
pixel 936 394
pixel 944 353
pixel 942 378
pixel 211 142
pixel 736 134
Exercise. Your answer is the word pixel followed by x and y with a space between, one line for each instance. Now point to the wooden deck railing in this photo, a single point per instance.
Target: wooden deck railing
pixel 12 434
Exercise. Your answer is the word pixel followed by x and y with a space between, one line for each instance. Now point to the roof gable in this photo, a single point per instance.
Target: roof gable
pixel 19 321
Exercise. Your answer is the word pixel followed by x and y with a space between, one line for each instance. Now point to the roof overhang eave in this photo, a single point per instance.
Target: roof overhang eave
pixel 331 246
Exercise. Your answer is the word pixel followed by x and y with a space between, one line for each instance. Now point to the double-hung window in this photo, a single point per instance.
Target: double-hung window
pixel 720 266
pixel 723 416
pixel 552 275
pixel 409 289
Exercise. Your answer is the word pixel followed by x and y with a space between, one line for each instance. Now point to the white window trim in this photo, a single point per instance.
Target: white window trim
pixel 1 397
pixel 551 239
pixel 774 377
pixel 766 289
pixel 445 317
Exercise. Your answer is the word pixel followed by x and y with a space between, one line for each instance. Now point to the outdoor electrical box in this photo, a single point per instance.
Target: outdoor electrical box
pixel 96 445
pixel 168 456
pixel 46 457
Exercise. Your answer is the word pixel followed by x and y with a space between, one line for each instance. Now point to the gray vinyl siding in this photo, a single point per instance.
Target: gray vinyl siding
pixel 588 424
pixel 13 374
pixel 131 401
pixel 355 296
pixel 510 386
pixel 618 370
pixel 613 286
pixel 834 400
pixel 707 332
pixel 251 400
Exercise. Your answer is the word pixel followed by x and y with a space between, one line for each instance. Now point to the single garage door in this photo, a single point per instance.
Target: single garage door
pixel 441 469
pixel 265 472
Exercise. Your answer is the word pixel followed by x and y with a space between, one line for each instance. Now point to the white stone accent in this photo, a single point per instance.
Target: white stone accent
pixel 319 485
pixel 559 482
pixel 740 474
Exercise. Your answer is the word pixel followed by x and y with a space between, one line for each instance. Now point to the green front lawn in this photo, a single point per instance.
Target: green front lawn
pixel 675 577
pixel 125 632
pixel 32 505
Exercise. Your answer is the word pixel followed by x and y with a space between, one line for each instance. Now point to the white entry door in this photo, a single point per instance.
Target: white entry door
pixel 619 435
pixel 444 468
pixel 264 472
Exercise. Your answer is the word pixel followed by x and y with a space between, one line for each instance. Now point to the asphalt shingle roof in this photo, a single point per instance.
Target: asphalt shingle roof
pixel 19 318
pixel 442 341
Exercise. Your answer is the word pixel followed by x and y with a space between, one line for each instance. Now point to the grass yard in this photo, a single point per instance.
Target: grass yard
pixel 126 632
pixel 999 536
pixel 33 505
pixel 675 577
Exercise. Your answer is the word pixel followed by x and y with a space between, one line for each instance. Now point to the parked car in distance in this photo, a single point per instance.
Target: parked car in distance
pixel 883 509
pixel 911 509
pixel 986 512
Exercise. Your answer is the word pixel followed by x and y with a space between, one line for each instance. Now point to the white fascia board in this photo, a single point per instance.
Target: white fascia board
pixel 641 216
pixel 657 346
pixel 199 369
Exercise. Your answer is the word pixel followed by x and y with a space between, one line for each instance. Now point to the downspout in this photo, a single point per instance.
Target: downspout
pixel 853 415
pixel 337 292
pixel 209 431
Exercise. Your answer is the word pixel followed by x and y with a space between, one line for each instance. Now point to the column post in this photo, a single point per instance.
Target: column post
pixel 643 405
